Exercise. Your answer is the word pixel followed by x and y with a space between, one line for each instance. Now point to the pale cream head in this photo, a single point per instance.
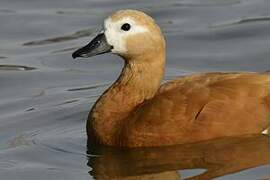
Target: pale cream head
pixel 143 35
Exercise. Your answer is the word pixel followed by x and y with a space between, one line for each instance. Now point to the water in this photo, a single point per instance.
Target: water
pixel 46 96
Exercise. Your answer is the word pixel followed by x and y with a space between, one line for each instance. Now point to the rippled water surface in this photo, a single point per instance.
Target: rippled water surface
pixel 45 95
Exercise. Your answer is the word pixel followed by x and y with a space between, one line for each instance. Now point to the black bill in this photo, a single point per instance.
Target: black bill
pixel 98 45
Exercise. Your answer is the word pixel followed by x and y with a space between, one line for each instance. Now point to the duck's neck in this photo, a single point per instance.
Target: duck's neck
pixel 139 81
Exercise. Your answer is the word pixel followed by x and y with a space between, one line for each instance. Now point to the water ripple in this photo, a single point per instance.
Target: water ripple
pixel 76 35
pixel 242 21
pixel 16 67
pixel 88 87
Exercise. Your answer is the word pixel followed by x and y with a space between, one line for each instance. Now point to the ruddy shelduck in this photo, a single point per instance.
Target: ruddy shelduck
pixel 137 111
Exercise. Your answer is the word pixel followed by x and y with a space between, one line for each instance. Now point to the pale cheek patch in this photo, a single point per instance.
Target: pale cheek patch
pixel 113 37
pixel 117 37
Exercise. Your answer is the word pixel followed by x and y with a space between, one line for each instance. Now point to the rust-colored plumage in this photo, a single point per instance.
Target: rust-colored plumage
pixel 218 157
pixel 136 111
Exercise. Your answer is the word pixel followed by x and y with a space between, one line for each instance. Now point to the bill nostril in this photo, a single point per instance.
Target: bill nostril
pixel 97 46
pixel 96 43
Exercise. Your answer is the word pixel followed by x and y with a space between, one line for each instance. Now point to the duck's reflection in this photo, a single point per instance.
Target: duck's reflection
pixel 218 157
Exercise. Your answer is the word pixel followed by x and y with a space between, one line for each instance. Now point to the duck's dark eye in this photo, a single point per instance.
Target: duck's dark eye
pixel 125 27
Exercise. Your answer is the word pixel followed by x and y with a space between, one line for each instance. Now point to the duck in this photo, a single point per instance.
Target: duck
pixel 137 110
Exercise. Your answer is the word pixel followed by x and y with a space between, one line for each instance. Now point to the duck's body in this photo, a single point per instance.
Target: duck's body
pixel 136 111
pixel 189 109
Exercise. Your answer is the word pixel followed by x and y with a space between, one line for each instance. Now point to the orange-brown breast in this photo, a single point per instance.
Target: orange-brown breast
pixel 200 107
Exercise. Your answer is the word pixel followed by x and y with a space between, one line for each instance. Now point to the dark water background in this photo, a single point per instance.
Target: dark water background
pixel 45 96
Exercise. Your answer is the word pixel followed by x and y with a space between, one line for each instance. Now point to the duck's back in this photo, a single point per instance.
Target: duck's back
pixel 200 107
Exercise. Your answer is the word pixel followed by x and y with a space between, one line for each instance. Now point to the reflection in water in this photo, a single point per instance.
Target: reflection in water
pixel 218 157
